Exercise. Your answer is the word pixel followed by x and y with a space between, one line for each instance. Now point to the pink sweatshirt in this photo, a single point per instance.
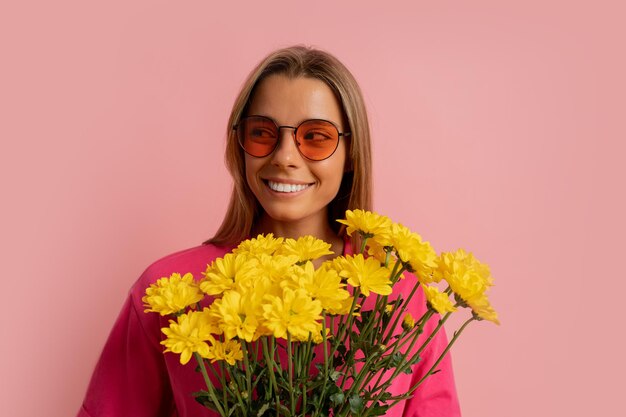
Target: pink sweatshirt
pixel 135 378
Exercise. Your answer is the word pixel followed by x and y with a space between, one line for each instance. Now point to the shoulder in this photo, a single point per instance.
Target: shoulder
pixel 193 260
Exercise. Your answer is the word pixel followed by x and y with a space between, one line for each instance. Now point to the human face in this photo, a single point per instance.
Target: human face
pixel 291 189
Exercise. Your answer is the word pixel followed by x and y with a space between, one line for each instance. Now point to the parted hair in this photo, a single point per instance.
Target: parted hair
pixel 355 191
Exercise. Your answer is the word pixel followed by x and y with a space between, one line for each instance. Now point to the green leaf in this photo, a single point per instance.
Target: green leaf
pixel 337 399
pixel 397 359
pixel 385 396
pixel 378 410
pixel 416 360
pixel 263 409
pixel 201 393
pixel 334 375
pixel 233 408
pixel 203 398
pixel 356 404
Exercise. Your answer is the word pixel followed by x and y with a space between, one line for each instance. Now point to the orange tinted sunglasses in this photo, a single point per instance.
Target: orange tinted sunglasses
pixel 315 139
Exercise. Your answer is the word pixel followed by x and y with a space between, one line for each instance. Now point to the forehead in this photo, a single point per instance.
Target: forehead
pixel 289 101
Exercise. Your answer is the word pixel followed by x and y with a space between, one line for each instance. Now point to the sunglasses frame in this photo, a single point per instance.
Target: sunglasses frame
pixel 295 131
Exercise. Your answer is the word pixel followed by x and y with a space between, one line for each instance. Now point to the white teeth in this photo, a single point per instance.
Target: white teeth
pixel 286 188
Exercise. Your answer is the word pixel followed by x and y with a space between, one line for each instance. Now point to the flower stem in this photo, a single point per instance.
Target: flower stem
pixel 247 370
pixel 443 354
pixel 290 366
pixel 209 384
pixel 269 361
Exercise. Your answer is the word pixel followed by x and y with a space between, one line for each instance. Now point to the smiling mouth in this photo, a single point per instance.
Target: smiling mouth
pixel 281 187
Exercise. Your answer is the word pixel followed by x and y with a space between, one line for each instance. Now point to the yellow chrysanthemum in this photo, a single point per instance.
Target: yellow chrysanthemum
pixel 365 222
pixel 295 312
pixel 262 244
pixel 419 256
pixel 483 310
pixel 368 274
pixel 325 285
pixel 238 315
pixel 229 351
pixel 345 306
pixel 469 279
pixel 306 248
pixel 438 300
pixel 220 276
pixel 275 268
pixel 171 295
pixel 188 334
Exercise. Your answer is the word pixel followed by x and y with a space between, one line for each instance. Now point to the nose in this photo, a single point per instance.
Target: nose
pixel 286 152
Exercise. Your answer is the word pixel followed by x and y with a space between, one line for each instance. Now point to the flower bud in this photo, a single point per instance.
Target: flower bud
pixel 408 322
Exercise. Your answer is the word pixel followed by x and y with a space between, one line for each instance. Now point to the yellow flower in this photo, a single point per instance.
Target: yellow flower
pixel 262 244
pixel 408 322
pixel 345 308
pixel 367 274
pixel 469 279
pixel 220 276
pixel 237 315
pixel 365 222
pixel 171 295
pixel 482 309
pixel 324 285
pixel 274 269
pixel 295 312
pixel 306 248
pixel 188 334
pixel 438 300
pixel 229 351
pixel 419 256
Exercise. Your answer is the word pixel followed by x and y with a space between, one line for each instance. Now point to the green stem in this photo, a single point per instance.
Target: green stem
pixel 443 354
pixel 363 242
pixel 322 395
pixel 233 377
pixel 209 384
pixel 247 370
pixel 414 356
pixel 342 326
pixel 225 388
pixel 290 366
pixel 399 314
pixel 269 361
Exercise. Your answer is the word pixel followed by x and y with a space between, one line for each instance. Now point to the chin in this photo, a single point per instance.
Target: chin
pixel 284 216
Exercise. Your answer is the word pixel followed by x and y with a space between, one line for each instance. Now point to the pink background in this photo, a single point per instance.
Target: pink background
pixel 498 127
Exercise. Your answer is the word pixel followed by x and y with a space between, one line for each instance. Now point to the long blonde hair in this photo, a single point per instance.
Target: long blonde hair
pixel 355 190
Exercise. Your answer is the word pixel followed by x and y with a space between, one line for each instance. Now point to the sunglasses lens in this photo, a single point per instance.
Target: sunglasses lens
pixel 317 139
pixel 257 135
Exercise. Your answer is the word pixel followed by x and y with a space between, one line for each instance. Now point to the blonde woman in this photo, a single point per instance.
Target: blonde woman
pixel 299 153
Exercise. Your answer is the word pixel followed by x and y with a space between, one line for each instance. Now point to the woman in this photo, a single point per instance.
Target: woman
pixel 299 153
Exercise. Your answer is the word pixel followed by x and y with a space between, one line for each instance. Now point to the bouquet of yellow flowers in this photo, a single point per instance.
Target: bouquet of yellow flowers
pixel 272 334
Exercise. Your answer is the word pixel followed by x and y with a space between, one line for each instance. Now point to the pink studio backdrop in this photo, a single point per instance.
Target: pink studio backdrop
pixel 497 128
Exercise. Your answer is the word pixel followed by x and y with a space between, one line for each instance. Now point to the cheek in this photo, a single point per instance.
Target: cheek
pixel 332 173
pixel 251 169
